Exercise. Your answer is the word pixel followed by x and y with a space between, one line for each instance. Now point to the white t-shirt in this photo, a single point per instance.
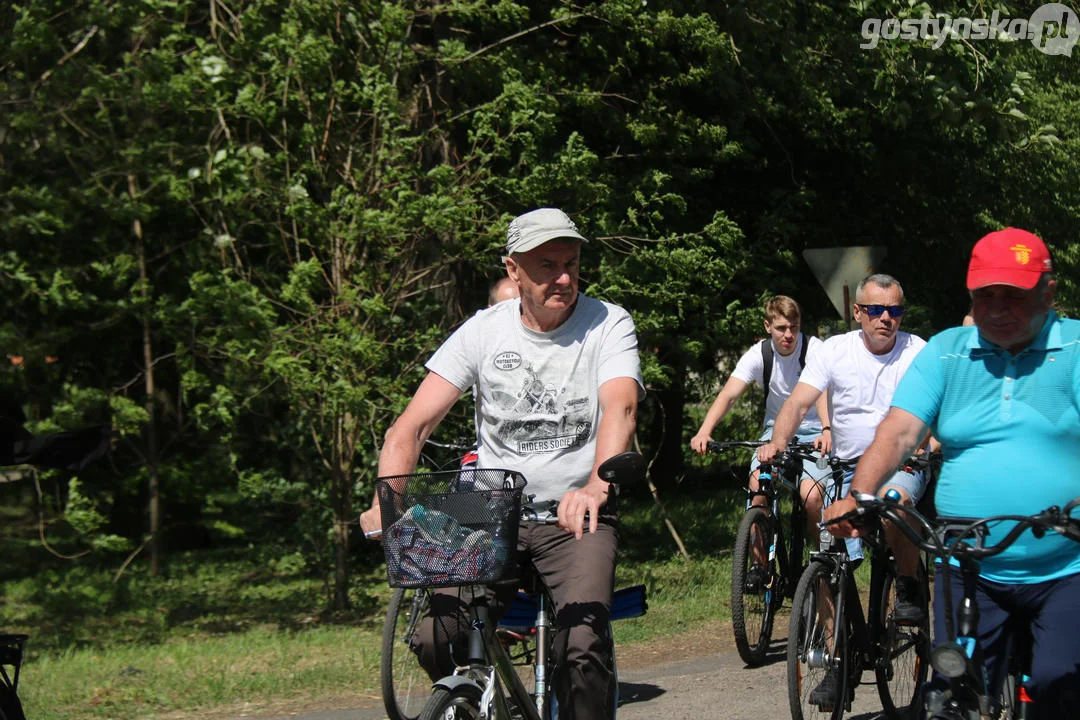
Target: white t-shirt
pixel 785 375
pixel 537 399
pixel 860 385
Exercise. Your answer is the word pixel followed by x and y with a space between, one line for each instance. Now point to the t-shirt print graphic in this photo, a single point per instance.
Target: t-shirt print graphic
pixel 544 416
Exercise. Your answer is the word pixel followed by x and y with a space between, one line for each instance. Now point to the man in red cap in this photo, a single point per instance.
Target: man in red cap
pixel 1003 397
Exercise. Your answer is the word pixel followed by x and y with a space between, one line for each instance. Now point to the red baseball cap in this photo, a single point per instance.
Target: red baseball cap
pixel 1008 257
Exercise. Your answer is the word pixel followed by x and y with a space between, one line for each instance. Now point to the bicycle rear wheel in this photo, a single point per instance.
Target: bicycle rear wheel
pixel 812 645
pixel 463 702
pixel 752 603
pixel 905 660
pixel 405 685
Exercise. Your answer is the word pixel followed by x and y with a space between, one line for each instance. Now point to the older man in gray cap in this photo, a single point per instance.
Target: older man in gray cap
pixel 558 380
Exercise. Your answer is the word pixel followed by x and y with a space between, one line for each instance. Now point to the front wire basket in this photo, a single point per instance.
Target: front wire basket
pixel 448 528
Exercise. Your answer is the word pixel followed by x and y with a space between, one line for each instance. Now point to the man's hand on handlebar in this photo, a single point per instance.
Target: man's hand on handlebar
pixel 577 503
pixel 823 443
pixel 767 452
pixel 371 523
pixel 699 443
pixel 844 528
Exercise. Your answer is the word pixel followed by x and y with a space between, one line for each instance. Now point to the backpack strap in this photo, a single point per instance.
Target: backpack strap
pixel 802 353
pixel 766 360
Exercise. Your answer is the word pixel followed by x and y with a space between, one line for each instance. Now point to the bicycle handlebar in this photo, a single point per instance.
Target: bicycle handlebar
pixel 802 449
pixel 713 446
pixel 932 540
pixel 937 534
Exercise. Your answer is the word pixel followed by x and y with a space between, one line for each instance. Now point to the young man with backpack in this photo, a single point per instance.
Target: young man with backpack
pixel 774 364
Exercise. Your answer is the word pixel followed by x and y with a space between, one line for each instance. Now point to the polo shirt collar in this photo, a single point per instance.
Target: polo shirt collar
pixel 1049 338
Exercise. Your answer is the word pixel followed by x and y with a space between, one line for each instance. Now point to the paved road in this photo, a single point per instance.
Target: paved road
pixel 713 686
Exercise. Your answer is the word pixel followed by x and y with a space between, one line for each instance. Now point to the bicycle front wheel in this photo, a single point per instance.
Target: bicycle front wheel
pixel 461 703
pixel 753 582
pixel 814 649
pixel 405 685
pixel 905 653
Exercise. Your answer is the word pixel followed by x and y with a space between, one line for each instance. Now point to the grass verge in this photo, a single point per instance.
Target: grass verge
pixel 237 628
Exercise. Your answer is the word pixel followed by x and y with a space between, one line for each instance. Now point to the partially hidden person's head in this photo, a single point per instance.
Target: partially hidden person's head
pixel 879 310
pixel 1010 278
pixel 782 321
pixel 543 252
pixel 502 289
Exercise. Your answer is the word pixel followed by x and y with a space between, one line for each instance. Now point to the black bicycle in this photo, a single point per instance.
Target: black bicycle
pixel 960 657
pixel 768 560
pixel 11 655
pixel 829 635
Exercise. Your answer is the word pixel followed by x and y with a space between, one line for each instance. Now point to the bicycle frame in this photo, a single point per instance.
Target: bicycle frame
pixel 857 641
pixel 491 669
pixel 788 556
pixel 973 684
pixel 863 637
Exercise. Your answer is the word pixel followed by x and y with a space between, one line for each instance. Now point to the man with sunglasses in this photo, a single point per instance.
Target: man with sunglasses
pixel 860 370
pixel 1003 398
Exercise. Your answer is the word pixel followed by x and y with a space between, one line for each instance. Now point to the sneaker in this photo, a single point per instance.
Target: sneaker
pixel 909 608
pixel 824 695
pixel 756 579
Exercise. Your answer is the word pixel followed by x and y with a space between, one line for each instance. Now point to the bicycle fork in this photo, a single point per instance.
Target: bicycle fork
pixel 487 673
pixel 543 629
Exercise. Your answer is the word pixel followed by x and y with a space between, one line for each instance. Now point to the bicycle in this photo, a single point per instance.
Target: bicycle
pixel 959 658
pixel 760 541
pixel 847 641
pixel 488 685
pixel 405 685
pixel 11 654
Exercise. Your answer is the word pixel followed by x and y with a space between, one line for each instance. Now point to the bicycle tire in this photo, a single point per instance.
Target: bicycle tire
pixel 405 685
pixel 10 707
pixel 808 647
pixel 463 702
pixel 901 675
pixel 752 610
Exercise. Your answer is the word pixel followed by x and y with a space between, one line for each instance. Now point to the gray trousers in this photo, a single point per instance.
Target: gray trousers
pixel 580 575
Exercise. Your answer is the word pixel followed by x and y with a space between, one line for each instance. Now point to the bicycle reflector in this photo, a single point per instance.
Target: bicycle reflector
pixel 949 659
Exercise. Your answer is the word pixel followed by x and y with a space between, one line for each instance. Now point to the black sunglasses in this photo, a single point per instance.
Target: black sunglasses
pixel 877 310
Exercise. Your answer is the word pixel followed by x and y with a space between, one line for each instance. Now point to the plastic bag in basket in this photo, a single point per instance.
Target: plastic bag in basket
pixel 427 548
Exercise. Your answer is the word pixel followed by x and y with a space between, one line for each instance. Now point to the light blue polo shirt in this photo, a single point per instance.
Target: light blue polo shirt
pixel 1010 427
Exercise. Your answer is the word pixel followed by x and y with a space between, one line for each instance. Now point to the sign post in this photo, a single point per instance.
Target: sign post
pixel 839 270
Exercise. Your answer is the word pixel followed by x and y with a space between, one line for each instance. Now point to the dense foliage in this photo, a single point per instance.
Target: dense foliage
pixel 235 230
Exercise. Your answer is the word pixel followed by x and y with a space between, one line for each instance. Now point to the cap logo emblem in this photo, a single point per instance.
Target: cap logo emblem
pixel 1023 253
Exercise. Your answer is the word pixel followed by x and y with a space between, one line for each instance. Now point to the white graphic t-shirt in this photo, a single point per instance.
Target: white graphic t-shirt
pixel 785 375
pixel 860 385
pixel 537 402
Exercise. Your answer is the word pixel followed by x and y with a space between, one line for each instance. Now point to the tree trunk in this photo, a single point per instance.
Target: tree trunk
pixel 341 507
pixel 153 488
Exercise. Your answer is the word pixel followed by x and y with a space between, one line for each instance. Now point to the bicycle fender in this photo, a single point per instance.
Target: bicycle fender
pixel 453 682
